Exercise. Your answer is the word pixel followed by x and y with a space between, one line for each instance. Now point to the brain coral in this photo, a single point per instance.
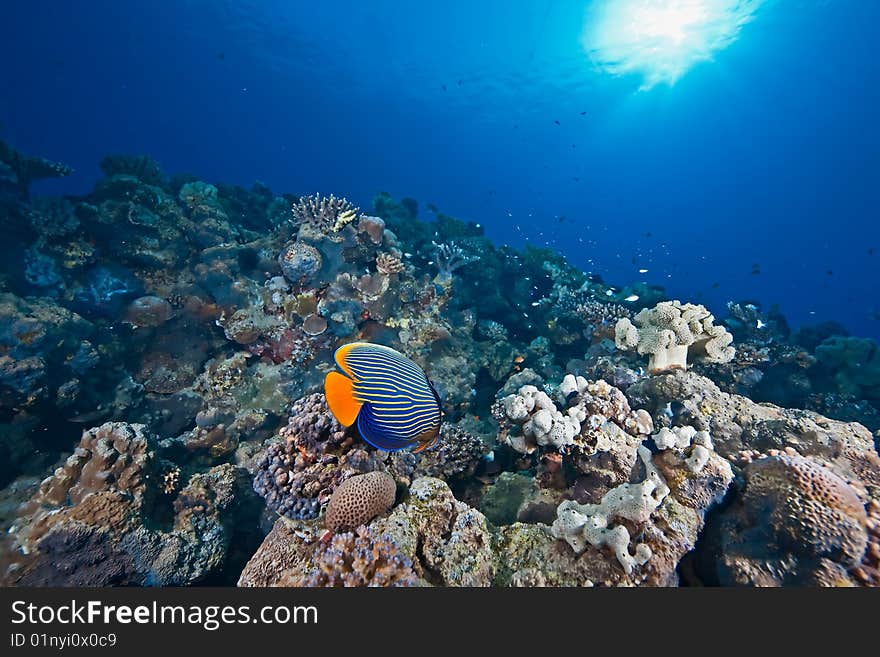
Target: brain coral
pixel 360 499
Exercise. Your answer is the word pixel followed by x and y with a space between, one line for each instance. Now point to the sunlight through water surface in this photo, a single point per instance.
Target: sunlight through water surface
pixel 660 40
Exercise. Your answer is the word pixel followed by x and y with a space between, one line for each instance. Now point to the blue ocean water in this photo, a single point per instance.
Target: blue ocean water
pixel 753 176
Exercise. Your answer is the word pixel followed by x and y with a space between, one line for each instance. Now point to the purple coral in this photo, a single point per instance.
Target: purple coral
pixel 295 476
pixel 357 559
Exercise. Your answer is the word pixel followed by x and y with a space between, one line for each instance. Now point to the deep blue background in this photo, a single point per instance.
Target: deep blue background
pixel 769 155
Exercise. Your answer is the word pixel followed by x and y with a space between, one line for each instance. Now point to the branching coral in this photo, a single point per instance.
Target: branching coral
pixel 670 332
pixel 448 257
pixel 324 214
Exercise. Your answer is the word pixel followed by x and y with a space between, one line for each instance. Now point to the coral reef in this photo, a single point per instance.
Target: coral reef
pixel 163 345
pixel 98 520
pixel 357 559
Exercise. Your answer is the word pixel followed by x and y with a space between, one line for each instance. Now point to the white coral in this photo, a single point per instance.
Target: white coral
pixel 583 524
pixel 670 332
pixel 681 439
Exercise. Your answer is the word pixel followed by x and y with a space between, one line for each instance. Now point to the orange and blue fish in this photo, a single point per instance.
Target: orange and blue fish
pixel 389 396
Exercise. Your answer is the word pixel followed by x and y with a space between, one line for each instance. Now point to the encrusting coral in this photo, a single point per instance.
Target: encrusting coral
pixel 356 558
pixel 591 523
pixel 670 332
pixel 795 522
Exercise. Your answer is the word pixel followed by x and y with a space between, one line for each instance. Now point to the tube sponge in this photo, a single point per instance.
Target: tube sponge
pixel 670 332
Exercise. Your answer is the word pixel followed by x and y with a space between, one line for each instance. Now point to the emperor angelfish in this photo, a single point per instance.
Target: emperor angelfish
pixel 389 396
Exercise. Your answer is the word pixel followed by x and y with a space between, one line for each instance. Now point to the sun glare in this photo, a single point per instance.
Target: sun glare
pixel 661 39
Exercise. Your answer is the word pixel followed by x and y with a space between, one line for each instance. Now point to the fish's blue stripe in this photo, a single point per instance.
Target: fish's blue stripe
pixel 399 406
pixel 385 361
pixel 392 377
pixel 377 436
pixel 384 371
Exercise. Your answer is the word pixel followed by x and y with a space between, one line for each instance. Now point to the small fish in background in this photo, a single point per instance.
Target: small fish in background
pixel 632 297
pixel 715 285
pixel 643 271
pixel 871 251
pixel 761 325
pixel 556 121
pixel 756 269
pixel 389 396
pixel 583 113
pixel 829 273
pixel 443 87
pixel 221 55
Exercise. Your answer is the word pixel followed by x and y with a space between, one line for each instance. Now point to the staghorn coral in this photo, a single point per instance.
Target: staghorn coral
pixel 670 332
pixel 359 499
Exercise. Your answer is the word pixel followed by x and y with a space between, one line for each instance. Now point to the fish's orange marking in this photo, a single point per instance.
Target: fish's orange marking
pixel 342 354
pixel 428 439
pixel 339 391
